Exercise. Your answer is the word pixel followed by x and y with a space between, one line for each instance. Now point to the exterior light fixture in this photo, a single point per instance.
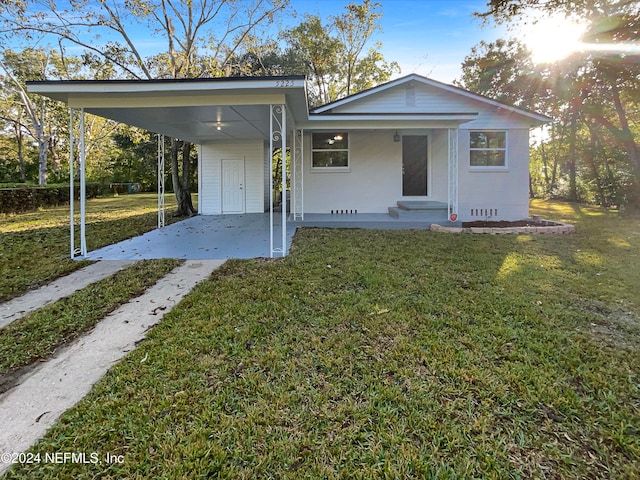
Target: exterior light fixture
pixel 396 136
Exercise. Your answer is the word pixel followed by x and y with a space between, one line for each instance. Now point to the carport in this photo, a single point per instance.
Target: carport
pixel 201 111
pixel 203 237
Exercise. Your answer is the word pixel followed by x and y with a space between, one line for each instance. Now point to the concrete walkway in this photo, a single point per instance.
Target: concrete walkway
pixel 30 408
pixel 60 288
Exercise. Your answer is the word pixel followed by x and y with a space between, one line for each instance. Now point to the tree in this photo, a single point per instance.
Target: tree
pixel 200 37
pixel 30 65
pixel 331 54
pixel 503 70
pixel 609 71
pixel 317 52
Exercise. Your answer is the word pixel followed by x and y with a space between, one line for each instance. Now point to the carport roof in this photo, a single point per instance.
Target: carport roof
pixel 198 110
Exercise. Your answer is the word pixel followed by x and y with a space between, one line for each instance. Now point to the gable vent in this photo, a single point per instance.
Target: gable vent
pixel 410 96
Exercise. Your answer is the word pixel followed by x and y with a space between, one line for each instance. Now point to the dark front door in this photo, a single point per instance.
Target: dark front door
pixel 414 165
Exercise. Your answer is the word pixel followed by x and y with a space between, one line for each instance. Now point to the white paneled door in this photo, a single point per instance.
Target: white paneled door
pixel 233 185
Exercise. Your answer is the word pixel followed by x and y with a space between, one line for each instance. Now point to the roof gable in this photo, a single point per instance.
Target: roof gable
pixel 417 94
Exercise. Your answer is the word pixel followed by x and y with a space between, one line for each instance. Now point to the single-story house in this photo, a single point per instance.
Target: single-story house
pixel 411 147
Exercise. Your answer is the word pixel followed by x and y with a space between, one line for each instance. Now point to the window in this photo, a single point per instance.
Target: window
pixel 488 149
pixel 330 150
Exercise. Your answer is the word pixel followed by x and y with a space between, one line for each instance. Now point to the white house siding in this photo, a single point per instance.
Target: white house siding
pixel 400 99
pixel 499 194
pixel 372 184
pixel 494 193
pixel 211 156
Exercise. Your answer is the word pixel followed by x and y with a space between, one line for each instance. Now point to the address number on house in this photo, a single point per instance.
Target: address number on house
pixel 284 83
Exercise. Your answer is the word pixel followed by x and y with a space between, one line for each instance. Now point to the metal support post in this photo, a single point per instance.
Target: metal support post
pixel 453 174
pixel 71 189
pixel 83 189
pixel 278 138
pixel 298 176
pixel 161 206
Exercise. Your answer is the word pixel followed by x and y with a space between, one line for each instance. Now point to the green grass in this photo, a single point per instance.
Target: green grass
pixel 371 354
pixel 38 334
pixel 34 247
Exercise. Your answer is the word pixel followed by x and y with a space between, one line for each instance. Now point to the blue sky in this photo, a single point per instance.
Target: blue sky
pixel 429 37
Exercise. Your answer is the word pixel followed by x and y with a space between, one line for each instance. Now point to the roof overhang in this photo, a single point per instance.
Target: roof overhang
pixel 388 121
pixel 535 119
pixel 197 110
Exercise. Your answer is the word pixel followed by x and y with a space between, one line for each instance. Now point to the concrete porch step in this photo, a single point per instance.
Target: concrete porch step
pixel 411 205
pixel 423 210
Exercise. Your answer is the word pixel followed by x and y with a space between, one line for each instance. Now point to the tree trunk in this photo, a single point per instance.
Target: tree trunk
pixel 628 140
pixel 556 161
pixel 591 159
pixel 545 168
pixel 531 193
pixel 43 146
pixel 573 191
pixel 20 141
pixel 181 186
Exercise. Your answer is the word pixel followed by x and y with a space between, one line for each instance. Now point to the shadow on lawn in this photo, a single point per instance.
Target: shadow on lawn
pixel 31 258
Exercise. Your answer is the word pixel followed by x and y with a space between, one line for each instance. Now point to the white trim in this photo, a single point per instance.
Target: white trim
pixel 375 122
pixel 337 169
pixel 106 87
pixel 489 168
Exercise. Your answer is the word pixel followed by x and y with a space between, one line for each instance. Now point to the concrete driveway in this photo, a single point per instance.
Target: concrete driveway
pixel 202 237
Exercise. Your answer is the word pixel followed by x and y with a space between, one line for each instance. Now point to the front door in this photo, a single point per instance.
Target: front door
pixel 414 165
pixel 233 185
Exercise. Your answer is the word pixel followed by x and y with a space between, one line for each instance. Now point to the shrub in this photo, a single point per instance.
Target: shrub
pixel 26 198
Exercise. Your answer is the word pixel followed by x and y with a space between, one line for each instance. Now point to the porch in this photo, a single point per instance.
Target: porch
pixel 407 215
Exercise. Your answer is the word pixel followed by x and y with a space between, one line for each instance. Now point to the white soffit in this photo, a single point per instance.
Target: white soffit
pixel 200 111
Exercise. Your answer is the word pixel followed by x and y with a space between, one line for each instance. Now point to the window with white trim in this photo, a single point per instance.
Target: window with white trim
pixel 487 149
pixel 330 150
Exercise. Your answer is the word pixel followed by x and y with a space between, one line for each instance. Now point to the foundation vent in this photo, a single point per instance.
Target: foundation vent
pixel 484 212
pixel 346 211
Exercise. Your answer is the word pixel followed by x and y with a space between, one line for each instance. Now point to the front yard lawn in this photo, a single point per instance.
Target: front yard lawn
pixel 34 246
pixel 385 354
pixel 36 336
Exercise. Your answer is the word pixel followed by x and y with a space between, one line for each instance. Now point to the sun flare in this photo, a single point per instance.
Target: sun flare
pixel 551 39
